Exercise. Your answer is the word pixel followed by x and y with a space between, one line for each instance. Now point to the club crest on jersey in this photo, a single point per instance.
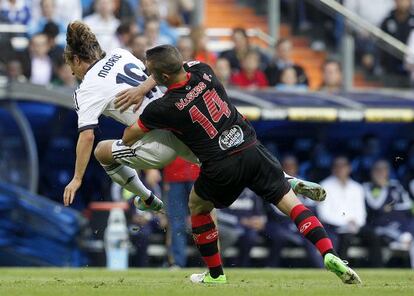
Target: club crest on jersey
pixel 190 96
pixel 206 77
pixel 232 137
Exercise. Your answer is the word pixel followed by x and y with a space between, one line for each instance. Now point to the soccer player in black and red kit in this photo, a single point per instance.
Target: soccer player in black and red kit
pixel 197 110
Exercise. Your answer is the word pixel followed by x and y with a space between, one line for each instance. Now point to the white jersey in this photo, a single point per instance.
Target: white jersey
pixel 95 96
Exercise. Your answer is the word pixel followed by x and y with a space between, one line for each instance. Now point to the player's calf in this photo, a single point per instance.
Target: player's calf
pixel 312 229
pixel 205 236
pixel 126 176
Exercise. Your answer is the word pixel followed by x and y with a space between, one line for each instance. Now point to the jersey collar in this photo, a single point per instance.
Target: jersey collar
pixel 181 83
pixel 91 65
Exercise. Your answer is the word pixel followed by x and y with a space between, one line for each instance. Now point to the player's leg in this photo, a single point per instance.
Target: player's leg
pixel 205 235
pixel 307 223
pixel 312 229
pixel 125 176
pixel 269 182
pixel 182 150
pixel 155 150
pixel 308 189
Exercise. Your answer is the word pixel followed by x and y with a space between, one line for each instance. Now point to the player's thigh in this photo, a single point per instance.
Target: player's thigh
pixel 220 183
pixel 182 150
pixel 266 177
pixel 199 205
pixel 154 151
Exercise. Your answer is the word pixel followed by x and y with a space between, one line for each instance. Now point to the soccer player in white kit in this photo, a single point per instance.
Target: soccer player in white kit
pixel 103 77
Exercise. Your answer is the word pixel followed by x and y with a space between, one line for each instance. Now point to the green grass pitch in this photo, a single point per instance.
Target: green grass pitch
pixel 158 282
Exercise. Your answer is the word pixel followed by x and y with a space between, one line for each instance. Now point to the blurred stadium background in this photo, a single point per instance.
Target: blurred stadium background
pixel 327 85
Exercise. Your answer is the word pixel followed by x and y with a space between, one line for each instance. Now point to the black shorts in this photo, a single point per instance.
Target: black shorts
pixel 221 182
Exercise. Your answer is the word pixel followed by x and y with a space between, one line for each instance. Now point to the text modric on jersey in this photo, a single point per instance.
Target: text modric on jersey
pixel 107 67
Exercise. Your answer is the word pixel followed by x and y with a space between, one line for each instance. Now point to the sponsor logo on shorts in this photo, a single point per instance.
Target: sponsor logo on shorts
pixel 232 137
pixel 305 226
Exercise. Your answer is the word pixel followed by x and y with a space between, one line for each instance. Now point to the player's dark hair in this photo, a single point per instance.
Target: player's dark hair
pixel 82 42
pixel 168 59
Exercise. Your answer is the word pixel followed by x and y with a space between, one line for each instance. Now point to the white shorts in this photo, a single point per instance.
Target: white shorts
pixel 155 150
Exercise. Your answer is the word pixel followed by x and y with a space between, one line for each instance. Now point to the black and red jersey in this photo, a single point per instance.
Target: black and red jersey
pixel 201 115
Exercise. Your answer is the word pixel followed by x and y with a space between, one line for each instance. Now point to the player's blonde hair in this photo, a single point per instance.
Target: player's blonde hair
pixel 82 42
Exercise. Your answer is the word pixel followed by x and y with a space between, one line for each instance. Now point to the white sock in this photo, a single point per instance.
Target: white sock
pixel 128 179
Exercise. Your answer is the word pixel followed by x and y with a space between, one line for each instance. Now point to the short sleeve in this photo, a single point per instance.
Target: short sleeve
pixel 155 116
pixel 89 108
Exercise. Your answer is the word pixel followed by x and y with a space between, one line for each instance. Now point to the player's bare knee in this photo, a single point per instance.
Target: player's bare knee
pixel 197 205
pixel 98 151
pixel 288 202
pixel 103 152
pixel 191 204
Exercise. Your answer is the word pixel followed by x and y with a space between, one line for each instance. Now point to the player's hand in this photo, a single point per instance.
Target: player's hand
pixel 129 97
pixel 70 191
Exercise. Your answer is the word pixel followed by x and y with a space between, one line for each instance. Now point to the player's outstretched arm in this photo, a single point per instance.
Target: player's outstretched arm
pixel 132 134
pixel 134 95
pixel 83 154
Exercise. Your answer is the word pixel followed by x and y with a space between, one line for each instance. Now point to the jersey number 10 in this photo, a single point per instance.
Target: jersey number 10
pixel 132 78
pixel 216 108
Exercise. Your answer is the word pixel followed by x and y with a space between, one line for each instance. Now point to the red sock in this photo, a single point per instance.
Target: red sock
pixel 311 228
pixel 205 235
